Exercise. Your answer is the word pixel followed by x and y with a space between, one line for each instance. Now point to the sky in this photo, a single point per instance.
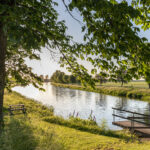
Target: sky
pixel 47 65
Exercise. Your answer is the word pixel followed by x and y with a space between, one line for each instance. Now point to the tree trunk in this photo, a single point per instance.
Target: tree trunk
pixel 121 83
pixel 3 43
pixel 149 85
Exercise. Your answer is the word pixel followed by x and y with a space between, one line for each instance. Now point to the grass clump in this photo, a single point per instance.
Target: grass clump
pixel 17 134
pixel 77 120
pixel 20 134
pixel 88 126
pixel 32 132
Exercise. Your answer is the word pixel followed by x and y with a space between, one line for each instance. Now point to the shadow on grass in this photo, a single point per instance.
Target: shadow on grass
pixel 21 133
pixel 17 135
pixel 88 128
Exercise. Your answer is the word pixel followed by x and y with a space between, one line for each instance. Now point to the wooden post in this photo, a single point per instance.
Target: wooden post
pixel 10 110
pixel 132 125
pixel 133 121
pixel 113 115
pixel 23 109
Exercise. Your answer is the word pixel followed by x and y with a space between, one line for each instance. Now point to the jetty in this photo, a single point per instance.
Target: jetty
pixel 137 123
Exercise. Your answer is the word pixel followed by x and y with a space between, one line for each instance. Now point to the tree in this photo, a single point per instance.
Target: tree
pixel 122 76
pixel 42 78
pixel 147 78
pixel 25 27
pixel 110 32
pixel 111 36
pixel 46 78
pixel 66 78
pixel 72 79
pixel 58 77
pixel 101 77
pixel 147 74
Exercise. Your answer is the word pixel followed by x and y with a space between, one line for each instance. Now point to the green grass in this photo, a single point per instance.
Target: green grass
pixel 31 132
pixel 132 84
pixel 89 126
pixel 126 91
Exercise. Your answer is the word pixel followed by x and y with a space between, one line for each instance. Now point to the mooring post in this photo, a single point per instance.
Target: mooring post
pixel 113 115
pixel 133 121
pixel 132 124
pixel 10 110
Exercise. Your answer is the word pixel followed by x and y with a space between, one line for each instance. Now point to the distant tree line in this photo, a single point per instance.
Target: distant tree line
pixel 61 77
pixel 120 75
pixel 45 78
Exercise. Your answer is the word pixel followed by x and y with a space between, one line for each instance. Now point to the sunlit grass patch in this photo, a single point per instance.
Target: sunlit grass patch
pixel 30 132
pixel 88 126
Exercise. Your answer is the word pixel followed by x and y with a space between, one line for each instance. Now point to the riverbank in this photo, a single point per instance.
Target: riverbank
pixel 130 92
pixel 40 129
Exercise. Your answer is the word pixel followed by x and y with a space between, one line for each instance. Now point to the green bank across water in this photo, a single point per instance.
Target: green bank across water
pixel 130 92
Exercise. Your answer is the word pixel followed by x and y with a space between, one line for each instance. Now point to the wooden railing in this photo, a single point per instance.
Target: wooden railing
pixel 133 118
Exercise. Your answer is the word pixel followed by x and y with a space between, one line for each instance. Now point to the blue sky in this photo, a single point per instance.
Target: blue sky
pixel 47 65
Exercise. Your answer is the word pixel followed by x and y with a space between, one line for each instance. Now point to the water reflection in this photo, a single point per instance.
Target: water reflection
pixel 100 100
pixel 66 101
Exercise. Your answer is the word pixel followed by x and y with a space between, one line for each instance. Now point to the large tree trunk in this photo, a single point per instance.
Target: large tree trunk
pixel 3 43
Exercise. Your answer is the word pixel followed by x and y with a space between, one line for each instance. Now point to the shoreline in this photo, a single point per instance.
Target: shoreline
pixel 128 92
pixel 40 128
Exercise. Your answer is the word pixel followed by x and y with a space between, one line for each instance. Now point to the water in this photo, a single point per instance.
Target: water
pixel 66 101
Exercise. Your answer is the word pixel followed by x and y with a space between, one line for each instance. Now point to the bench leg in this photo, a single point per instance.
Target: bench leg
pixel 24 111
pixel 11 113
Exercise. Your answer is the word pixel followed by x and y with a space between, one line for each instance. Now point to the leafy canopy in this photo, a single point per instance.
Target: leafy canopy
pixel 28 26
pixel 111 35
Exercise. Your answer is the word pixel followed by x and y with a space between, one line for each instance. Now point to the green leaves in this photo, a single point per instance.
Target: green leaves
pixel 111 38
pixel 112 41
pixel 29 25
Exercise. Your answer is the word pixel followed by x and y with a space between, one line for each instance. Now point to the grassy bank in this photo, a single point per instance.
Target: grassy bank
pixel 130 92
pixel 132 84
pixel 41 130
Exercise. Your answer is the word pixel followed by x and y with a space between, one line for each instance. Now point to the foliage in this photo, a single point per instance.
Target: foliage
pixel 121 74
pixel 28 25
pixel 147 75
pixel 111 38
pixel 61 77
pixel 102 77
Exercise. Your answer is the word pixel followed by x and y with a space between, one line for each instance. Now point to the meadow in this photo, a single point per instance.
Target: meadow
pixel 40 129
pixel 132 84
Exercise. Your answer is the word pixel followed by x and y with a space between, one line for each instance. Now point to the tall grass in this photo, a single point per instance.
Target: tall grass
pixel 19 134
pixel 88 126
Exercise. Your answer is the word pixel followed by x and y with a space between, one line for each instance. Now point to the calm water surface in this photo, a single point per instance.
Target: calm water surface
pixel 66 101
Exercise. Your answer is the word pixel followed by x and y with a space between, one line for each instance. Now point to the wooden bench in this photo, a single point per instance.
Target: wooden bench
pixel 19 107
